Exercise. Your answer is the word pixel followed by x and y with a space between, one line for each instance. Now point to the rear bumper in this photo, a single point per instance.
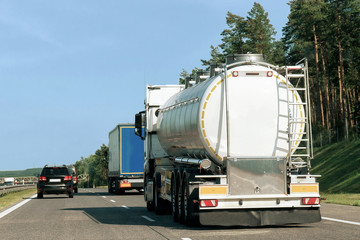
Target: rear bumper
pixel 136 185
pixel 55 189
pixel 259 217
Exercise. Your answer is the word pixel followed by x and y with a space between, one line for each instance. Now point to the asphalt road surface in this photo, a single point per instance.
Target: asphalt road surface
pixel 96 214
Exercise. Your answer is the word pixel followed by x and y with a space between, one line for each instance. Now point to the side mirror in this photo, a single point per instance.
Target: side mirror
pixel 139 123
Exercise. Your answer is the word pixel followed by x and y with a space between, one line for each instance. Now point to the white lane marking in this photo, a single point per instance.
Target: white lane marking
pixel 112 201
pixel 149 219
pixel 103 196
pixel 13 208
pixel 125 206
pixel 339 220
pixel 185 238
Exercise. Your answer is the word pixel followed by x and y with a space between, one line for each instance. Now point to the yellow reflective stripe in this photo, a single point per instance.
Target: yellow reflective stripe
pixel 208 96
pixel 213 190
pixel 204 105
pixel 304 188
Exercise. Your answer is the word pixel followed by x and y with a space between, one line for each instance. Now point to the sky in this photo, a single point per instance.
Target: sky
pixel 70 71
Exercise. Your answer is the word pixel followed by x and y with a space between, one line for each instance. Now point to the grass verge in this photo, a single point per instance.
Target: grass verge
pixel 351 199
pixel 12 198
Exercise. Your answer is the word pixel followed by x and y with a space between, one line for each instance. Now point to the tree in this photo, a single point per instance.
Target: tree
pixel 259 32
pixel 95 166
pixel 326 32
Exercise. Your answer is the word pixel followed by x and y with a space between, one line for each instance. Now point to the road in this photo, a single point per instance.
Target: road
pixel 96 214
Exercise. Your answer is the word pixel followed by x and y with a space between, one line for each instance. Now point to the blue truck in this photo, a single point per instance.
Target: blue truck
pixel 126 160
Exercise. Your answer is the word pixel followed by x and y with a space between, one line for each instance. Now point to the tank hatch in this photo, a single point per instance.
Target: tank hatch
pixel 245 58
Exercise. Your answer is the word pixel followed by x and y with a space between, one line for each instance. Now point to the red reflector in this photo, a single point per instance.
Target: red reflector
pixel 235 73
pixel 252 73
pixel 209 203
pixel 311 201
pixel 67 178
pixel 269 73
pixel 42 178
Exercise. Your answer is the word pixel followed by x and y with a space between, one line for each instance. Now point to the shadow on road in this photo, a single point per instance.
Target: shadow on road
pixel 134 216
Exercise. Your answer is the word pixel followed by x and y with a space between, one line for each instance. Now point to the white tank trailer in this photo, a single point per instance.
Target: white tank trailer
pixel 232 147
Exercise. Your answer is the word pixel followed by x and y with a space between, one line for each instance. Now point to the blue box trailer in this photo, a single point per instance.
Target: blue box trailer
pixel 126 160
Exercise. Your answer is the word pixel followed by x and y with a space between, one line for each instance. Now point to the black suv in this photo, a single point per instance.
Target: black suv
pixel 55 180
pixel 72 171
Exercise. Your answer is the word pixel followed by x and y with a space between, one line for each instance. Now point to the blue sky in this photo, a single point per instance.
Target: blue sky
pixel 70 71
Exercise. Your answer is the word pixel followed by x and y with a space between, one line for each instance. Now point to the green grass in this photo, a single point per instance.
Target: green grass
pixel 344 199
pixel 339 165
pixel 12 198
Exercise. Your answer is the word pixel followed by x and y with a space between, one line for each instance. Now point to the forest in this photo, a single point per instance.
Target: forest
pixel 326 32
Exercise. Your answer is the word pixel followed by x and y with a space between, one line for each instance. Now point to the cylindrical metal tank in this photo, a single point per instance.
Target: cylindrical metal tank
pixel 193 122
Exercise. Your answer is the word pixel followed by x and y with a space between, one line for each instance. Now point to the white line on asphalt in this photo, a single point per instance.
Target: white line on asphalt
pixel 149 219
pixel 125 206
pixel 339 220
pixel 103 196
pixel 112 201
pixel 6 212
pixel 185 238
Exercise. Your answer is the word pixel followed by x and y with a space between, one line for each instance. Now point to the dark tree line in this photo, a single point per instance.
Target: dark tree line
pixel 327 33
pixel 95 167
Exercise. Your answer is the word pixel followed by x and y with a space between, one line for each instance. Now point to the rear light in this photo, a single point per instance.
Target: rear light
pixel 67 178
pixel 42 178
pixel 75 179
pixel 209 203
pixel 311 201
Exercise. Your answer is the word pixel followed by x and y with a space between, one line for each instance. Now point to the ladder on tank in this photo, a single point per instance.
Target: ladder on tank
pixel 297 79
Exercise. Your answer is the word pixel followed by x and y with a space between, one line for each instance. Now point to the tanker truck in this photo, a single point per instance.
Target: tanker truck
pixel 232 147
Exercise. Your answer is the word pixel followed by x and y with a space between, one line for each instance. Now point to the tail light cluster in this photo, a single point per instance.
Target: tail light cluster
pixel 311 201
pixel 209 203
pixel 75 179
pixel 42 178
pixel 67 178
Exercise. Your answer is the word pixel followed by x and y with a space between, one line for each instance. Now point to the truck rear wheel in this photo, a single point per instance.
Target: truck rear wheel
pixel 161 206
pixel 190 213
pixel 174 198
pixel 181 202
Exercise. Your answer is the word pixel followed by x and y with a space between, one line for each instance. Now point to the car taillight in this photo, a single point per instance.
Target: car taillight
pixel 75 179
pixel 67 178
pixel 42 178
pixel 311 201
pixel 209 203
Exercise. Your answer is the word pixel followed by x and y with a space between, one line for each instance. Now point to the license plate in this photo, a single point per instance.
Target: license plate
pixel 55 180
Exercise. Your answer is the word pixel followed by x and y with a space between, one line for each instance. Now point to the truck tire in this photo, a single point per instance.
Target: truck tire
pixel 181 201
pixel 161 206
pixel 190 207
pixel 110 189
pixel 150 206
pixel 174 198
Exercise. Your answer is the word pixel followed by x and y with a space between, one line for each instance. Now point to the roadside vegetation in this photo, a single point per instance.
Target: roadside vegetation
pixel 339 167
pixel 21 173
pixel 12 198
pixel 341 198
